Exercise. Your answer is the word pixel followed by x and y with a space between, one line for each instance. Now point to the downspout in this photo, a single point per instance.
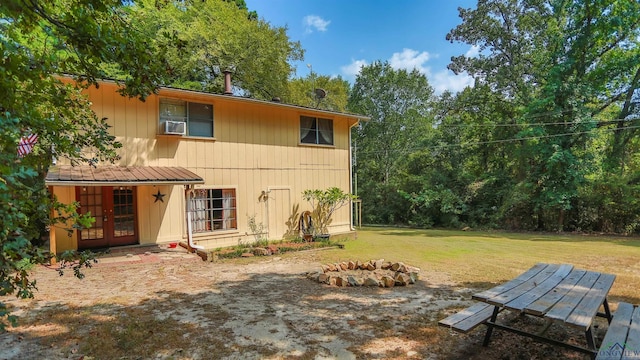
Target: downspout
pixel 351 176
pixel 53 246
pixel 190 243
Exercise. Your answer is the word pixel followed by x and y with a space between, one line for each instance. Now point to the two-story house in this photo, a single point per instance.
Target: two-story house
pixel 203 164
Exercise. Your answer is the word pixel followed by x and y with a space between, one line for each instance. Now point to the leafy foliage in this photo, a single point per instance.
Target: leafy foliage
pixel 302 92
pixel 399 104
pixel 38 42
pixel 209 37
pixel 258 231
pixel 546 139
pixel 324 204
pixel 551 80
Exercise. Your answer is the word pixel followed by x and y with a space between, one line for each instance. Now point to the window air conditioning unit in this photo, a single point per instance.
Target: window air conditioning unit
pixel 175 128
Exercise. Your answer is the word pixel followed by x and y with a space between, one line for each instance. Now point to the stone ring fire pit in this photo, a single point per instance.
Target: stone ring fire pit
pixel 372 273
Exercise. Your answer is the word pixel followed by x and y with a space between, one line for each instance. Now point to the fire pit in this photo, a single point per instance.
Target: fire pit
pixel 377 273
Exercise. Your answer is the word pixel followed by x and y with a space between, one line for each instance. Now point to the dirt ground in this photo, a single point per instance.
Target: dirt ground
pixel 171 305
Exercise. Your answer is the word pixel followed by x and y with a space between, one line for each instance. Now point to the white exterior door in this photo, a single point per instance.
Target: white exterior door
pixel 279 210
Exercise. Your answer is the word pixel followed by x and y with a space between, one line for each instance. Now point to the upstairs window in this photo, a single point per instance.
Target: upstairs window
pixel 316 131
pixel 198 117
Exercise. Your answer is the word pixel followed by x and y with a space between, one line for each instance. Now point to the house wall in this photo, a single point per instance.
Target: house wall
pixel 65 239
pixel 256 148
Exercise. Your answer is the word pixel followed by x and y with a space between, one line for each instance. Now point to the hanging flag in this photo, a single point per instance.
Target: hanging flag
pixel 26 144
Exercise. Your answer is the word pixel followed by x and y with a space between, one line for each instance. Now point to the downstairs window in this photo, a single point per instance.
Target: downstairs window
pixel 212 210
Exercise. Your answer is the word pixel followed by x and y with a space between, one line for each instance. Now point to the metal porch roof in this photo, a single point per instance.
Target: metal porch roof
pixel 68 175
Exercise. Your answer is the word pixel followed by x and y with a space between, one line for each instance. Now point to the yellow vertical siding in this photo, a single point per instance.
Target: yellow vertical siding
pixel 65 240
pixel 144 196
pixel 255 148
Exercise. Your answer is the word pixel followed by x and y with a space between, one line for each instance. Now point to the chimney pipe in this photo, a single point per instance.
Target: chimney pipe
pixel 227 82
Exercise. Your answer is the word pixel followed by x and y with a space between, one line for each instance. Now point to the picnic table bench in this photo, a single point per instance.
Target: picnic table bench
pixel 622 340
pixel 558 293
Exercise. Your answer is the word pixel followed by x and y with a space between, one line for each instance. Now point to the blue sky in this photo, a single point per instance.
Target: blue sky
pixel 339 36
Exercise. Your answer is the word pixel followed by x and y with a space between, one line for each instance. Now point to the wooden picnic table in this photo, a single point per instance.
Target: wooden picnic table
pixel 558 293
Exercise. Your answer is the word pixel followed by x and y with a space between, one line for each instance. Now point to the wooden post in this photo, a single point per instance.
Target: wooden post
pixel 358 212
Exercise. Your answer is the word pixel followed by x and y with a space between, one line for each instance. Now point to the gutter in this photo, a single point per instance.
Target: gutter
pixel 352 173
pixel 190 243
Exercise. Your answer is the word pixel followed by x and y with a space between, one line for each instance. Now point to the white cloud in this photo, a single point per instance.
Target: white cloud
pixel 314 22
pixel 410 59
pixel 447 80
pixel 473 51
pixel 350 71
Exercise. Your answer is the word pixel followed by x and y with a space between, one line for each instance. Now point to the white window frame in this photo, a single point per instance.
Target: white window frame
pixel 212 213
pixel 185 116
pixel 314 131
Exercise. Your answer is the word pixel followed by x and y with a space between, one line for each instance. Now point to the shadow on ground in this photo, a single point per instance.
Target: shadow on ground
pixel 237 314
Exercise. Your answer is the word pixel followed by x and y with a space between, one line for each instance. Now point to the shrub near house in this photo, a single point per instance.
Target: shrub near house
pixel 324 204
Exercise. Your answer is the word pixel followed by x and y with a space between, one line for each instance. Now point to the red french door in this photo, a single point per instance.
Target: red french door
pixel 114 209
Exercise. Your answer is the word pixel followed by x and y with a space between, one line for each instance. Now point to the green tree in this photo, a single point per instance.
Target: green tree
pixel 399 104
pixel 214 36
pixel 242 5
pixel 332 93
pixel 512 44
pixel 560 79
pixel 38 41
pixel 459 174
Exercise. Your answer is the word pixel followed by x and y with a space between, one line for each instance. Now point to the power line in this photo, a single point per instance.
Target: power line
pixel 541 137
pixel 542 114
pixel 445 146
pixel 597 122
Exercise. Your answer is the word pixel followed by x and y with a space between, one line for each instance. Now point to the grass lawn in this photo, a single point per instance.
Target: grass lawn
pixel 481 259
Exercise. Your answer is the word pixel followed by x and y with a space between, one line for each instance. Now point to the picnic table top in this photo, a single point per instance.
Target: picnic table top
pixel 554 291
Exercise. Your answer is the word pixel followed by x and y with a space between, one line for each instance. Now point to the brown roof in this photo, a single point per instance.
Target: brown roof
pixel 173 90
pixel 67 175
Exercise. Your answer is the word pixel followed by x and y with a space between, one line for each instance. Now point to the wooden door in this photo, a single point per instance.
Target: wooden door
pixel 278 212
pixel 114 209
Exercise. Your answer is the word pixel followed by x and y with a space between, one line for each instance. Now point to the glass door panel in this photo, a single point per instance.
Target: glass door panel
pixel 114 210
pixel 123 212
